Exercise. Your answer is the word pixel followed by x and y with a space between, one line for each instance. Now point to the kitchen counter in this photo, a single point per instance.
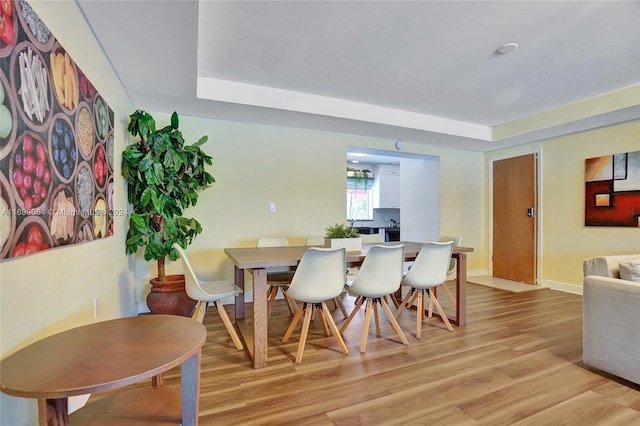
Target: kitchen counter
pixel 390 233
pixel 373 229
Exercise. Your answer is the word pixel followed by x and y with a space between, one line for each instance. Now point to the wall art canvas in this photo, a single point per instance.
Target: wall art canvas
pixel 612 190
pixel 56 142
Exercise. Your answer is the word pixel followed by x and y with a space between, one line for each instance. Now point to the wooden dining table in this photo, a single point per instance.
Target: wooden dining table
pixel 256 259
pixel 107 355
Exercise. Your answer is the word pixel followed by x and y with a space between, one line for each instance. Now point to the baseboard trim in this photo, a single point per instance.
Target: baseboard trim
pixel 560 286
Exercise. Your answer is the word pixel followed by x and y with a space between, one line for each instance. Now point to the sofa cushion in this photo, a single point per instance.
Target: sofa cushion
pixel 630 271
pixel 607 266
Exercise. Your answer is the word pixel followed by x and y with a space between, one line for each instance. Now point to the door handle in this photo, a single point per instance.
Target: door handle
pixel 531 212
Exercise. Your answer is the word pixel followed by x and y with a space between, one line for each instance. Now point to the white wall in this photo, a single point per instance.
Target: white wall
pixel 420 199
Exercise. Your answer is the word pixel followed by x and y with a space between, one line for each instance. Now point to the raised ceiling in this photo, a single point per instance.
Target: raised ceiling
pixel 420 71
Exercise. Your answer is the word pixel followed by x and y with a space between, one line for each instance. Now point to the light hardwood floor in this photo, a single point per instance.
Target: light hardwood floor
pixel 518 361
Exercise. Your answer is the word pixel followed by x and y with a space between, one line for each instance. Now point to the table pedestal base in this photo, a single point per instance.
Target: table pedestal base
pixel 53 412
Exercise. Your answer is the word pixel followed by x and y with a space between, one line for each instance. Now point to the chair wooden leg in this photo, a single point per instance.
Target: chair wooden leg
pixel 449 294
pixel 340 305
pixel 430 311
pixel 376 319
pixel 294 322
pixel 392 320
pixel 271 295
pixel 394 300
pixel 305 331
pixel 420 314
pixel 228 325
pixel 335 330
pixel 404 302
pixel 442 314
pixel 290 303
pixel 353 313
pixel 199 311
pixel 323 322
pixel 413 298
pixel 365 325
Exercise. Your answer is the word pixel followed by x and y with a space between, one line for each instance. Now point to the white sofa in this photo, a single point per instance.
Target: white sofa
pixel 611 317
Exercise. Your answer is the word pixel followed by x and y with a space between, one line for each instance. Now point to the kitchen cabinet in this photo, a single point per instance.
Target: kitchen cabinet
pixel 386 187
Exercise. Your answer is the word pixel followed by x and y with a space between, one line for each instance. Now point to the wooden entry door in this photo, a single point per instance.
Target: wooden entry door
pixel 514 222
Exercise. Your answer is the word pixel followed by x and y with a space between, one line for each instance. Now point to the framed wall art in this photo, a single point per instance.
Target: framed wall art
pixel 612 190
pixel 56 142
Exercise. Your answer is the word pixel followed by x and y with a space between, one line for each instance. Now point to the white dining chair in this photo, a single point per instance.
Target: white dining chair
pixel 318 240
pixel 278 279
pixel 379 276
pixel 372 238
pixel 457 240
pixel 314 240
pixel 205 292
pixel 352 271
pixel 429 270
pixel 320 276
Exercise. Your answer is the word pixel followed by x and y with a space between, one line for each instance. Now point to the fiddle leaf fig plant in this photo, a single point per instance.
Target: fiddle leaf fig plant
pixel 165 176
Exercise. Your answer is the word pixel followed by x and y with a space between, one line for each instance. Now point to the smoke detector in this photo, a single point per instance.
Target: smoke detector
pixel 507 48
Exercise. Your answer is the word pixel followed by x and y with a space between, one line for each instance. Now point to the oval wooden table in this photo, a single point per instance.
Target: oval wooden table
pixel 108 355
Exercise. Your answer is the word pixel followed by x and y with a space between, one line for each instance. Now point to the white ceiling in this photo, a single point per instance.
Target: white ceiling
pixel 418 71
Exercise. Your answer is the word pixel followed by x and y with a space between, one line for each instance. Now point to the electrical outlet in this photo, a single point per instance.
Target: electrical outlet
pixel 272 207
pixel 96 307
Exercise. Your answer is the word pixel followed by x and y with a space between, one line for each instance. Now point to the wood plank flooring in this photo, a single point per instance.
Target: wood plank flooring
pixel 517 362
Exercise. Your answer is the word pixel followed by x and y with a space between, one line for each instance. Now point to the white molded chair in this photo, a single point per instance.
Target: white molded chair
pixel 318 240
pixel 366 239
pixel 371 238
pixel 379 276
pixel 314 240
pixel 277 278
pixel 205 292
pixel 320 276
pixel 429 270
pixel 457 240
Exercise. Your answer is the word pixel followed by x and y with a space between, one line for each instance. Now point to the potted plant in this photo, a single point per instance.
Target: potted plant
pixel 340 235
pixel 164 176
pixel 360 177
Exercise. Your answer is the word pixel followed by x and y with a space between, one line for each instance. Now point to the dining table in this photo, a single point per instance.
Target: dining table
pixel 108 355
pixel 256 260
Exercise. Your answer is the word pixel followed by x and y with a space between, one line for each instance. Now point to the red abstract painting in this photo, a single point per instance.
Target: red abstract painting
pixel 612 190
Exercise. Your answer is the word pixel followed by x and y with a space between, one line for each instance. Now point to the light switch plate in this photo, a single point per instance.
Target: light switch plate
pixel 272 207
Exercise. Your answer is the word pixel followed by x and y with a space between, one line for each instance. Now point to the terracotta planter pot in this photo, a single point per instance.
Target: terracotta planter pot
pixel 170 297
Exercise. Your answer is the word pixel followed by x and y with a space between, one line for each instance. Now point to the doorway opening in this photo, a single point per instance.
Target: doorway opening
pixel 405 192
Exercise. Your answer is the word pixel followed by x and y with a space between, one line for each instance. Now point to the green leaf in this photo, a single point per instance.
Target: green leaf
pixel 146 196
pixel 202 140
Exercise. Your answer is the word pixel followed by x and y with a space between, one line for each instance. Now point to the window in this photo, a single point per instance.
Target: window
pixel 359 199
